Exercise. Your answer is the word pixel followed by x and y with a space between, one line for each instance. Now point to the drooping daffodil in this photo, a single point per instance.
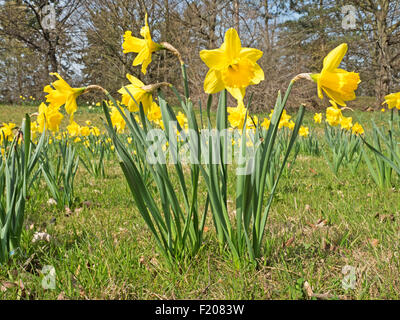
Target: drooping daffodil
pixel 338 84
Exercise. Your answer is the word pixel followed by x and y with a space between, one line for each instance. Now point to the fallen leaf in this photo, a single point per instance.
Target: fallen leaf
pixel 384 217
pixel 61 296
pixel 87 204
pixel 321 223
pixel 308 290
pixel 68 211
pixel 7 285
pixel 51 201
pixel 374 242
pixel 41 236
pixel 289 242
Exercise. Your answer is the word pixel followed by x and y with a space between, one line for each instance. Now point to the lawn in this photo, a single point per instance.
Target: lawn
pixel 320 226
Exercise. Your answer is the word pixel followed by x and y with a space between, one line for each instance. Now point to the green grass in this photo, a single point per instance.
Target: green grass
pixel 104 250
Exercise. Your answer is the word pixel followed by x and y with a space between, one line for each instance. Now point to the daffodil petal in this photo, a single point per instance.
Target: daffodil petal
pixel 335 57
pixel 335 96
pixel 135 81
pixel 213 82
pixel 232 44
pixel 132 44
pixel 258 75
pixel 250 53
pixel 214 59
pixel 237 93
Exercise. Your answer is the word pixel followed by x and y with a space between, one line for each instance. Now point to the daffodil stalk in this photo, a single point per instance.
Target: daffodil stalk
pixel 62 174
pixel 16 177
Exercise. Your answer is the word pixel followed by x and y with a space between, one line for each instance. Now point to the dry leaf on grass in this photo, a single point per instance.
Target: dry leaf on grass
pixel 289 242
pixel 374 242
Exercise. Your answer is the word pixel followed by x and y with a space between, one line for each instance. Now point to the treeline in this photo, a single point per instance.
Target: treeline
pixel 85 44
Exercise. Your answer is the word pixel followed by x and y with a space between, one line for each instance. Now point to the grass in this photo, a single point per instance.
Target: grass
pixel 318 224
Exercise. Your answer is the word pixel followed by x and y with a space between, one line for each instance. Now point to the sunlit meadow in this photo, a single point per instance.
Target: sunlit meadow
pixel 138 198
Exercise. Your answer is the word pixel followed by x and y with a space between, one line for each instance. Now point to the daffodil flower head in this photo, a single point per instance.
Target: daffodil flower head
pixel 346 123
pixel 304 131
pixel 338 84
pixel 6 131
pixel 117 120
pixel 284 121
pixel 182 120
pixel 154 113
pixel 84 131
pixel 357 129
pixel 318 118
pixel 61 93
pixel 73 129
pixel 237 115
pixel 143 47
pixel 134 89
pixel 232 66
pixel 393 100
pixel 266 123
pixel 49 117
pixel 333 114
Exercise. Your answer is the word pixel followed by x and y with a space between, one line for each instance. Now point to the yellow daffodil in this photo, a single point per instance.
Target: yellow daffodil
pixel 49 116
pixel 140 95
pixel 154 113
pixel 129 140
pixel 117 120
pixel 143 47
pixel 333 114
pixel 304 131
pixel 84 131
pixel 357 129
pixel 95 131
pixel 393 100
pixel 383 110
pixel 60 93
pixel 346 123
pixel 34 129
pixel 73 129
pixel 284 122
pixel 318 118
pixel 338 84
pixel 265 124
pixel 232 67
pixel 237 115
pixel 182 120
pixel 6 131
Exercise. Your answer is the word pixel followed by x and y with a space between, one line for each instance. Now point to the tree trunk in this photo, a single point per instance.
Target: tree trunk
pixel 53 59
pixel 383 70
